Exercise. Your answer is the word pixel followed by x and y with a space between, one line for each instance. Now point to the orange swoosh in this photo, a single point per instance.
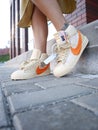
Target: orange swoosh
pixel 77 50
pixel 41 70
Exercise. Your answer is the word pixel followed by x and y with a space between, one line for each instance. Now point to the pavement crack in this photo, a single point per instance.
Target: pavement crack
pixel 7 111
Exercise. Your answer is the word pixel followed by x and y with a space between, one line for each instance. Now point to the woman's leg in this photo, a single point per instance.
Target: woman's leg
pixel 40 30
pixel 51 10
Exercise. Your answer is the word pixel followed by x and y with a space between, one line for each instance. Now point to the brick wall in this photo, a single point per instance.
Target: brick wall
pixel 86 12
pixel 4 51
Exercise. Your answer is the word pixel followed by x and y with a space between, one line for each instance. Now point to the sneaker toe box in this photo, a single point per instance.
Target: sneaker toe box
pixel 19 74
pixel 61 70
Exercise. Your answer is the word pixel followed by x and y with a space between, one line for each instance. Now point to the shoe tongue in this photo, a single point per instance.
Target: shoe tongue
pixel 36 54
pixel 71 31
pixel 60 37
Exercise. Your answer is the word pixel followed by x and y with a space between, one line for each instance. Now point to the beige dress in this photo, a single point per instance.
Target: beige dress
pixel 26 11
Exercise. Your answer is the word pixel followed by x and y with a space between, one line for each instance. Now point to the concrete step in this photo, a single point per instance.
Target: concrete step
pixel 88 62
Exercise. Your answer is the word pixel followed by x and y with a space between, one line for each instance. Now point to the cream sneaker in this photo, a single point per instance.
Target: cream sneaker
pixel 69 47
pixel 32 68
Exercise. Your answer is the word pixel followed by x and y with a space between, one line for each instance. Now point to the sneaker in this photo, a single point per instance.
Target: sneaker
pixel 32 68
pixel 69 46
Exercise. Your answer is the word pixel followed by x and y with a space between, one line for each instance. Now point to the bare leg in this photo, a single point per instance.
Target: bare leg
pixel 40 29
pixel 52 10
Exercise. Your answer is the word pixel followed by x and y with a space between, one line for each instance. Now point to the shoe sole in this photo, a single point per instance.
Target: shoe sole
pixel 30 77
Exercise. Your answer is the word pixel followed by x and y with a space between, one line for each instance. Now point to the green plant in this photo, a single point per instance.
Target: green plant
pixel 4 58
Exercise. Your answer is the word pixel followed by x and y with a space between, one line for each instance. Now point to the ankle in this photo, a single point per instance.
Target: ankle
pixel 65 26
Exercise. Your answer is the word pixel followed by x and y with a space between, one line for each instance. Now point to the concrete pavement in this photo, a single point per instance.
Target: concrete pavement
pixel 48 103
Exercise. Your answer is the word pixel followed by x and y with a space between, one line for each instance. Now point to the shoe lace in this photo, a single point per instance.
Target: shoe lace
pixel 28 63
pixel 22 65
pixel 62 51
